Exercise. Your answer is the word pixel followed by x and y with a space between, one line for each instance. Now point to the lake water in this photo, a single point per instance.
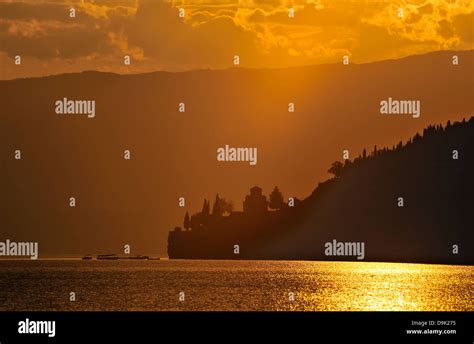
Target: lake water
pixel 233 285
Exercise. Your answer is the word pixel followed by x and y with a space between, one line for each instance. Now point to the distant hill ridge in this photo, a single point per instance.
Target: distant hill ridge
pixel 410 59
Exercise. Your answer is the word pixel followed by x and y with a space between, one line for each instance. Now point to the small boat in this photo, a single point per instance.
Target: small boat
pixel 138 257
pixel 87 257
pixel 107 256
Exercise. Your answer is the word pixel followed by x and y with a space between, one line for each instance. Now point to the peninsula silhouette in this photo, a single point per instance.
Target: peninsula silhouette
pixel 409 203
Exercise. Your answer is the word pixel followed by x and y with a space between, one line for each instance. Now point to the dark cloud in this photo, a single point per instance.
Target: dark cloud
pixel 464 27
pixel 57 42
pixel 258 16
pixel 45 30
pixel 170 40
pixel 27 11
pixel 445 29
pixel 38 11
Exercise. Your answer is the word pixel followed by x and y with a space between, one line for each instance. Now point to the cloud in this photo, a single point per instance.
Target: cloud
pixel 212 32
pixel 272 3
pixel 51 40
pixel 463 26
pixel 211 41
pixel 428 23
pixel 316 15
pixel 45 30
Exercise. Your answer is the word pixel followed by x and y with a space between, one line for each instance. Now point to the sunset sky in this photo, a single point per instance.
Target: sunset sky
pixel 212 32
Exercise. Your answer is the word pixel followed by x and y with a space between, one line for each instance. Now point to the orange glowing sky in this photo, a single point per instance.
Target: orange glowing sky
pixel 212 32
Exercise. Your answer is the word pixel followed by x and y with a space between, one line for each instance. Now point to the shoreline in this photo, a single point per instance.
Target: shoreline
pixel 233 260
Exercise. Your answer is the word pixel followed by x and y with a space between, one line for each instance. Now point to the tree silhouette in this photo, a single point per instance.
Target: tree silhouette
pixel 216 208
pixel 336 168
pixel 194 222
pixel 205 208
pixel 276 199
pixel 186 223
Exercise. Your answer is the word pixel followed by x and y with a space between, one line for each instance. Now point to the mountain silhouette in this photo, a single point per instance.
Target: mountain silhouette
pixel 173 154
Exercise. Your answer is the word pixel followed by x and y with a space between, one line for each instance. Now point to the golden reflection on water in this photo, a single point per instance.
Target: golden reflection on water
pixel 215 285
pixel 356 286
